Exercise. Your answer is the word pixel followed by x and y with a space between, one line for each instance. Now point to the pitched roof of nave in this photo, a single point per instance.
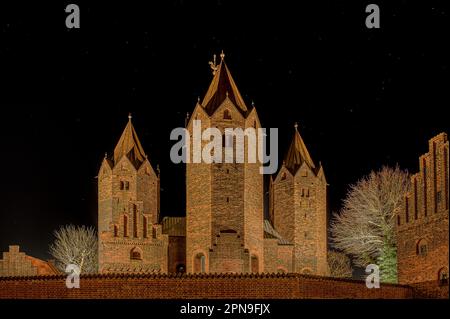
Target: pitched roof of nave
pixel 297 154
pixel 130 146
pixel 270 232
pixel 222 86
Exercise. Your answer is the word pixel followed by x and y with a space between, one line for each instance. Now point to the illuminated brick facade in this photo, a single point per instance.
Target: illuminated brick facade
pixel 422 225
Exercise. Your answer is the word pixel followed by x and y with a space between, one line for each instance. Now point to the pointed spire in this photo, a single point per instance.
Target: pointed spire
pixel 129 145
pixel 297 154
pixel 222 85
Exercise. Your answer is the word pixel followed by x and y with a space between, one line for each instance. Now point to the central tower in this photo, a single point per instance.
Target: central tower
pixel 224 202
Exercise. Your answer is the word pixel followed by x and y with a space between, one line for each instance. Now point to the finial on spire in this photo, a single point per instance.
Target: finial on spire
pixel 186 120
pixel 106 154
pixel 253 103
pixel 226 93
pixel 198 99
pixel 222 55
pixel 129 116
pixel 296 125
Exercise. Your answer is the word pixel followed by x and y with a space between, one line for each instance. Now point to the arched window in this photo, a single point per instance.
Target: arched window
pixel 116 231
pixel 125 225
pixel 122 185
pixel 226 115
pixel 254 264
pixel 422 248
pixel 135 254
pixel 181 268
pixel 199 263
pixel 443 276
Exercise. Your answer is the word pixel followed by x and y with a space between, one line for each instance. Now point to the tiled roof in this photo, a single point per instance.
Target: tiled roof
pixel 297 154
pixel 222 86
pixel 43 267
pixel 270 232
pixel 130 146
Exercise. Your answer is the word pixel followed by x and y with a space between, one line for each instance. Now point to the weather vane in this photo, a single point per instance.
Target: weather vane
pixel 213 65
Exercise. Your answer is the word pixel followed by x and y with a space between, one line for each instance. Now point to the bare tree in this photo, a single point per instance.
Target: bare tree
pixel 339 264
pixel 365 227
pixel 76 245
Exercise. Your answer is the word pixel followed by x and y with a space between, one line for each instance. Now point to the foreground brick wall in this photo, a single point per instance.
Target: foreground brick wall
pixel 247 286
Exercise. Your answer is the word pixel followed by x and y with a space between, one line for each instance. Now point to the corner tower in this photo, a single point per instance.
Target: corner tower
pixel 299 208
pixel 130 238
pixel 224 201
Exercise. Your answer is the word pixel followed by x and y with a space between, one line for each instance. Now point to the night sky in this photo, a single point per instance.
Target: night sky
pixel 363 98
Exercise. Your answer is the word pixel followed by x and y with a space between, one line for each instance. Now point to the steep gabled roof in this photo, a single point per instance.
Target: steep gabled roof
pixel 297 154
pixel 130 146
pixel 221 87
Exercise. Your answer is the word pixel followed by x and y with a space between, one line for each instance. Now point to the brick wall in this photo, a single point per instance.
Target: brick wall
pixel 247 286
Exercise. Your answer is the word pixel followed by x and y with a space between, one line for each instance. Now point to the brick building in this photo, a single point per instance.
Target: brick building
pixel 224 230
pixel 17 263
pixel 224 201
pixel 422 225
pixel 298 208
pixel 130 237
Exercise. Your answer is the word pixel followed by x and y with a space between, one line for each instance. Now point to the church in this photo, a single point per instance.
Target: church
pixel 224 230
